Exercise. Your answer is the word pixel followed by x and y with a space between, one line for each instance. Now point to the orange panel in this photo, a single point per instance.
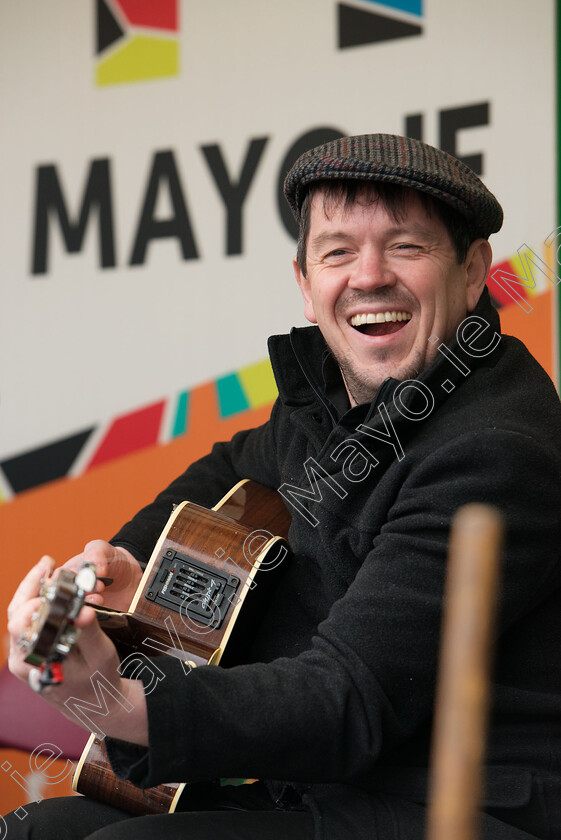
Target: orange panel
pixel 60 517
pixel 12 795
pixel 534 328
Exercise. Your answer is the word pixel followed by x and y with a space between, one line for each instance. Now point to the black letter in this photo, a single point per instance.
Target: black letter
pixel 414 126
pixel 234 194
pixel 49 197
pixel 163 169
pixel 454 119
pixel 307 141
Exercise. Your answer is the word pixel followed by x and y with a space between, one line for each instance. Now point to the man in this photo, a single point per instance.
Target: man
pixel 405 404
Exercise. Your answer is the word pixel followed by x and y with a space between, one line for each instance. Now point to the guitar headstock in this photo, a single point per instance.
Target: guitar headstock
pixel 52 633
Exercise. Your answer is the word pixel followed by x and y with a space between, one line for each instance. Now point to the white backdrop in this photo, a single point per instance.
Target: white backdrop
pixel 81 343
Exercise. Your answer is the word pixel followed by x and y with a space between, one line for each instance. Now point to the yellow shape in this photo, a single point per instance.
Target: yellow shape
pixel 258 383
pixel 541 272
pixel 139 59
pixel 518 267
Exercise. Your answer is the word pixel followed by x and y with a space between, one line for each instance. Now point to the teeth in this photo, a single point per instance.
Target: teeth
pixel 379 317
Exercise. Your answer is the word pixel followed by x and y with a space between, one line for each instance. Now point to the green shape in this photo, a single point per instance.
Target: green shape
pixel 231 397
pixel 140 58
pixel 258 383
pixel 180 422
pixel 233 782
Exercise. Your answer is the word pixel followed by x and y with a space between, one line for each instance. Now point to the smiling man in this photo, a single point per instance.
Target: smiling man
pixel 402 403
pixel 379 283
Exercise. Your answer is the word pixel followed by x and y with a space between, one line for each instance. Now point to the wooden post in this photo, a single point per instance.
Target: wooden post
pixel 462 696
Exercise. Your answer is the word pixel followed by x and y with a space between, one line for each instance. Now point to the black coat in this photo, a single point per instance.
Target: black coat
pixel 337 693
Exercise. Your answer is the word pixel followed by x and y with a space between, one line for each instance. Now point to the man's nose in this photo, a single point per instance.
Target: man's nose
pixel 371 271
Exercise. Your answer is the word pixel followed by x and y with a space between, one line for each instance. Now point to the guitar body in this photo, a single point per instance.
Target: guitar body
pixel 201 596
pixel 95 778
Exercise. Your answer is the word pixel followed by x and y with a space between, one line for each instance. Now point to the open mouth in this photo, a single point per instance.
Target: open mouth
pixel 380 323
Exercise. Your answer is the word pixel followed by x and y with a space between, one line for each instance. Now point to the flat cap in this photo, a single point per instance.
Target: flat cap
pixel 398 160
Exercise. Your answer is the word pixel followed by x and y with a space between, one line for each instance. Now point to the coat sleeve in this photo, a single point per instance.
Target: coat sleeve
pixel 366 684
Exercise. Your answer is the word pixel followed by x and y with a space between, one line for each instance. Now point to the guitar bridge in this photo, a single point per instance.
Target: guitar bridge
pixel 194 588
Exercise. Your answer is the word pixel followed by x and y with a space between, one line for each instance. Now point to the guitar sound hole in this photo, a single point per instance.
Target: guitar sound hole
pixel 193 588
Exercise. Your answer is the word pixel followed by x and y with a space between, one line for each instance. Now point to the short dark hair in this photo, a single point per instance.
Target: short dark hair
pixel 393 197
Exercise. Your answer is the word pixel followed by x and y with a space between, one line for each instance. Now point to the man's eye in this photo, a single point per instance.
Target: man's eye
pixel 337 252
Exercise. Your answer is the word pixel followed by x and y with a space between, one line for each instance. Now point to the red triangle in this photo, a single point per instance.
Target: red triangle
pixel 130 433
pixel 499 296
pixel 159 14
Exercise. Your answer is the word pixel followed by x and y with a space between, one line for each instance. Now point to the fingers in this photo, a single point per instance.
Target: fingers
pixel 22 607
pixel 96 599
pixel 99 554
pixel 92 553
pixel 92 652
pixel 31 584
pixel 21 618
pixel 103 555
pixel 117 565
pixel 18 626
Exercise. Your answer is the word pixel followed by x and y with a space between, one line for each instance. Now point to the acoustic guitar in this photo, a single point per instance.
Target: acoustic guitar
pixel 200 599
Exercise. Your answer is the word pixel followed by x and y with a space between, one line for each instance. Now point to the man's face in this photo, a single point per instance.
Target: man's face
pixel 378 287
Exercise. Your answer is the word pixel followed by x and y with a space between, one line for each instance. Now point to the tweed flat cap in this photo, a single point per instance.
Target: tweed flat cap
pixel 398 160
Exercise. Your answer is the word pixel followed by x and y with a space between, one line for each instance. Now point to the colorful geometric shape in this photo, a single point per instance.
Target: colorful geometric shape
pixel 139 59
pixel 258 383
pixel 45 463
pixel 158 14
pixel 231 396
pixel 130 433
pixel 528 264
pixel 109 29
pixel 506 283
pixel 358 27
pixel 181 413
pixel 413 7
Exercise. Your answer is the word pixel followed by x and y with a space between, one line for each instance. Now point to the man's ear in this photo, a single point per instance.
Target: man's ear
pixel 304 284
pixel 477 265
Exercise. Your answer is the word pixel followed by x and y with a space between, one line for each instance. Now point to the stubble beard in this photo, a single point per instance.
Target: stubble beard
pixel 363 388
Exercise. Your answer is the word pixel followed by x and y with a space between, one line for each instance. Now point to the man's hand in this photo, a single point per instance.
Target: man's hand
pixel 111 562
pixel 94 651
